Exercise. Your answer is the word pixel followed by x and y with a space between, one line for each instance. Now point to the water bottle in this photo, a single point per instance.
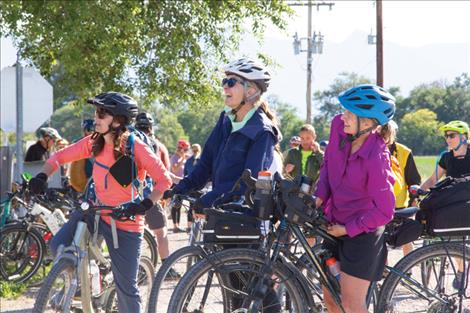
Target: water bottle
pixel 95 278
pixel 333 267
pixel 263 200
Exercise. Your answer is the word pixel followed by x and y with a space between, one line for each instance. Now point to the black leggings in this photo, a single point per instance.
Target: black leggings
pixel 176 213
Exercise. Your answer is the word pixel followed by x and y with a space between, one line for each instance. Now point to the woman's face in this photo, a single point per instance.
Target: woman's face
pixel 103 118
pixel 350 122
pixel 234 94
pixel 452 139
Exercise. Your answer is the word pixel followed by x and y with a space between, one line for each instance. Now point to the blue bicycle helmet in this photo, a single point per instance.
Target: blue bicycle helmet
pixel 88 125
pixel 369 101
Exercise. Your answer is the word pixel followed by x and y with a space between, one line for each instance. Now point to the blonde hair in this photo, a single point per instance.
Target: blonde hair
pixel 270 114
pixel 310 129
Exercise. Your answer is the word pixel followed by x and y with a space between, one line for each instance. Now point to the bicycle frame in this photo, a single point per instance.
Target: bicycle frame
pixel 81 252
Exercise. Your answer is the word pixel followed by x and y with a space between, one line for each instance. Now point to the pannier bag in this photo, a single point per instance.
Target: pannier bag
pixel 224 227
pixel 402 231
pixel 445 211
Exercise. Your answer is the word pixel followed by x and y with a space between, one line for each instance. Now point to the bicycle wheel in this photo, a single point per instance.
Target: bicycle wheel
pixel 144 281
pixel 47 262
pixel 149 247
pixel 224 282
pixel 21 252
pixel 405 291
pixel 57 291
pixel 169 275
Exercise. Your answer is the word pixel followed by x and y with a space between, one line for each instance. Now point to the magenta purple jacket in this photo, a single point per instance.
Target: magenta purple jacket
pixel 357 189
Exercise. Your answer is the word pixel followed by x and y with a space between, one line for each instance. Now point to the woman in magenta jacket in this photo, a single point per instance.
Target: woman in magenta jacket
pixel 356 189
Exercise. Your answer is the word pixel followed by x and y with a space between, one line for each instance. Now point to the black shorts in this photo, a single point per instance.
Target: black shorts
pixel 363 256
pixel 155 217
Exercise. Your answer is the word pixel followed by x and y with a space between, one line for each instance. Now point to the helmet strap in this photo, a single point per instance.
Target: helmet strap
pixel 246 98
pixel 351 138
pixel 462 141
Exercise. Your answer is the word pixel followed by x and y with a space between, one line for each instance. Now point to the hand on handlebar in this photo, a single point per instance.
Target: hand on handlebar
pixel 139 208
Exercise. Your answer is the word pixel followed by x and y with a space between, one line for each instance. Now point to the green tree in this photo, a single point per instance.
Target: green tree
pixel 164 50
pixel 328 99
pixel 419 131
pixel 289 122
pixel 168 130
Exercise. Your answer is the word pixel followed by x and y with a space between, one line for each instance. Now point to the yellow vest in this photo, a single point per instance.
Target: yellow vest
pixel 400 188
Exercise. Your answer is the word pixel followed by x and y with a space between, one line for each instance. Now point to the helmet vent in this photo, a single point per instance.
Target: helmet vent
pixel 371 97
pixel 364 106
pixel 354 98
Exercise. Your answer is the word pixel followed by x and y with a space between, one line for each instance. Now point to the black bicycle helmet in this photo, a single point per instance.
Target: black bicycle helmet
pixel 117 103
pixel 143 121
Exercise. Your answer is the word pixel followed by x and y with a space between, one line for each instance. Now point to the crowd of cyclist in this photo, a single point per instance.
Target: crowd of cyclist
pixel 361 173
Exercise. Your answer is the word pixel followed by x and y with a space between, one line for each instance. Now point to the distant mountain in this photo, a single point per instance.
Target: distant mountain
pixel 405 67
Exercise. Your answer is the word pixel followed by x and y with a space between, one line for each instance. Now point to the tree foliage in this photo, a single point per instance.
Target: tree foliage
pixel 419 130
pixel 167 51
pixel 289 122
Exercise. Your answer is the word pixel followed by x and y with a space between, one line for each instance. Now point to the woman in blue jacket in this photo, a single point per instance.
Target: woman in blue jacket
pixel 244 136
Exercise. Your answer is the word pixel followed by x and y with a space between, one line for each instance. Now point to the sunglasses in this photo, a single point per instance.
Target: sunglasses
pixel 102 112
pixel 450 136
pixel 230 82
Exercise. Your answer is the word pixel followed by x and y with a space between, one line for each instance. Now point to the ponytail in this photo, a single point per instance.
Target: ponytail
pixel 388 133
pixel 270 114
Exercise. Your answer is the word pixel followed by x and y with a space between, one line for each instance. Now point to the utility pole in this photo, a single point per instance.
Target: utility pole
pixel 313 46
pixel 19 118
pixel 380 50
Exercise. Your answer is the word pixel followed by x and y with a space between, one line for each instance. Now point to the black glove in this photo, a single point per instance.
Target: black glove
pixel 139 208
pixel 169 193
pixel 38 184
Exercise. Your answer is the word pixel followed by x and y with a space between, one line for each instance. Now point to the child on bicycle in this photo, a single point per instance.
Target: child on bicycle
pixel 356 189
pixel 114 112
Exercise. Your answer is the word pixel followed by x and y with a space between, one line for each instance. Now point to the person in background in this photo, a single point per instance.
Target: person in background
pixel 81 171
pixel 323 145
pixel 40 151
pixel 178 161
pixel 155 217
pixel 406 174
pixel 454 163
pixel 307 159
pixel 193 160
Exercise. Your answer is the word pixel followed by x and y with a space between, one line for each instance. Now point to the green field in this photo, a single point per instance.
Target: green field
pixel 426 165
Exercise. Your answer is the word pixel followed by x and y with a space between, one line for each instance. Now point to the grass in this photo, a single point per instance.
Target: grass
pixel 9 290
pixel 426 165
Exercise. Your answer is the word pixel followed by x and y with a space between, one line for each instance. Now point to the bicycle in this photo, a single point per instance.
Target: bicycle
pixel 256 268
pixel 72 269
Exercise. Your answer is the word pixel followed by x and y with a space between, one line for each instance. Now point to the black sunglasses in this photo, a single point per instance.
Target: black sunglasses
pixel 102 112
pixel 230 82
pixel 451 135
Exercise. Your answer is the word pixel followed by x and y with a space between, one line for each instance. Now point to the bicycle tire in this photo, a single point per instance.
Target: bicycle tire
pixel 161 276
pixel 428 253
pixel 44 295
pixel 186 286
pixel 151 244
pixel 144 282
pixel 35 250
pixel 46 264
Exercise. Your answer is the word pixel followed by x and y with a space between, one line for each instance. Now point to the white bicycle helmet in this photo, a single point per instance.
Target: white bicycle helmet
pixel 250 70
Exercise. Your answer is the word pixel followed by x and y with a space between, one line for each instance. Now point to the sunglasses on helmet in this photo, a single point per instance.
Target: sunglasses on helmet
pixel 102 112
pixel 230 82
